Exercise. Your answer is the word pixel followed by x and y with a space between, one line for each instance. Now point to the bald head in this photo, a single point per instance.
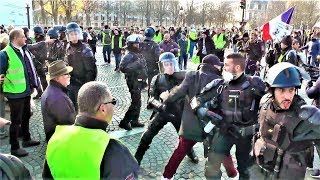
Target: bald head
pixel 166 37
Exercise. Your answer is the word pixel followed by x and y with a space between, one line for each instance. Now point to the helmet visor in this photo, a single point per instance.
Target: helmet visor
pixel 168 66
pixel 74 35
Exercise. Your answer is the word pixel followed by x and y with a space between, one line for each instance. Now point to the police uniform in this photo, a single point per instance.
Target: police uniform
pixel 237 102
pixel 80 57
pixel 285 137
pixel 173 112
pixel 133 65
pixel 151 52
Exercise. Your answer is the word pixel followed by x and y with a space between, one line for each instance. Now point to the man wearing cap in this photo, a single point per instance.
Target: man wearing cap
pixel 19 78
pixel 287 127
pixel 85 150
pixel 56 107
pixel 287 53
pixel 191 129
pixel 205 45
pixel 236 99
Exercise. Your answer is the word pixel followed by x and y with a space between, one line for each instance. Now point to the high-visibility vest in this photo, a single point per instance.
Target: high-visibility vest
pixel 76 152
pixel 120 42
pixel 193 35
pixel 219 42
pixel 15 80
pixel 157 38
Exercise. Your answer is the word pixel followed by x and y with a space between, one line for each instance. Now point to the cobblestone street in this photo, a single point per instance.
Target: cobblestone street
pixel 156 157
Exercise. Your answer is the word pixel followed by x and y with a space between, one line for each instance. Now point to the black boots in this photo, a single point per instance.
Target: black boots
pixel 193 157
pixel 141 150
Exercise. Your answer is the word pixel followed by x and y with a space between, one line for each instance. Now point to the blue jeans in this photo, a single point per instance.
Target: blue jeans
pixel 192 45
pixel 117 57
pixel 106 49
pixel 183 58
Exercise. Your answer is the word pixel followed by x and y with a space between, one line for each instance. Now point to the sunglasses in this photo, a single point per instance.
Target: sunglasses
pixel 113 101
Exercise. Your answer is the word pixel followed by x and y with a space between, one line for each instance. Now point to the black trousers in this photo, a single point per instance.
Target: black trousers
pixel 73 94
pixel 42 76
pixel 20 113
pixel 220 54
pixel 133 112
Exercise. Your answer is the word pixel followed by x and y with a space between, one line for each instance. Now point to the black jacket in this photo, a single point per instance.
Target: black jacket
pixel 151 52
pixel 56 107
pixel 81 58
pixel 210 47
pixel 193 83
pixel 117 161
pixel 134 66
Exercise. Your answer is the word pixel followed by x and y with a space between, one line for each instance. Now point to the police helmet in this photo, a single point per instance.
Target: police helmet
pixel 74 27
pixel 149 32
pixel 38 30
pixel 134 38
pixel 168 57
pixel 63 29
pixel 52 33
pixel 284 75
pixel 59 28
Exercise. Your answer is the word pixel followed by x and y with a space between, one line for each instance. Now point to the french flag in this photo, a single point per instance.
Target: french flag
pixel 284 17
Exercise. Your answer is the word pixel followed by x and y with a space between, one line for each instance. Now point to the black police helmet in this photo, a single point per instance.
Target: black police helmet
pixel 84 34
pixel 52 33
pixel 38 30
pixel 149 32
pixel 134 38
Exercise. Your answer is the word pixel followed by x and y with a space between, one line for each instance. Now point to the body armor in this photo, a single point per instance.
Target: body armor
pixel 275 150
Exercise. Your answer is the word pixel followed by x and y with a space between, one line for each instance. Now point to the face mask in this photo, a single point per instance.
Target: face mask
pixel 227 76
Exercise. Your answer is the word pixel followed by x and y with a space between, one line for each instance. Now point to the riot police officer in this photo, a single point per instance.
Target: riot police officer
pixel 162 83
pixel 236 100
pixel 40 53
pixel 191 127
pixel 26 33
pixel 151 52
pixel 285 134
pixel 133 65
pixel 80 57
pixel 55 50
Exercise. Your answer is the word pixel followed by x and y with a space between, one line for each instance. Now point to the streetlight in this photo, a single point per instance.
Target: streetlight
pixel 181 14
pixel 243 7
pixel 28 15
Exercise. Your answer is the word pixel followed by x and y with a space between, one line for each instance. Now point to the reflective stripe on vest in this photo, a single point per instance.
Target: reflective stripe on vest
pixel 219 41
pixel 120 42
pixel 103 37
pixel 15 80
pixel 76 152
pixel 157 38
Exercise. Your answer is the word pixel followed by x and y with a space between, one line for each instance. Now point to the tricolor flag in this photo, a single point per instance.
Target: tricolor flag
pixel 271 29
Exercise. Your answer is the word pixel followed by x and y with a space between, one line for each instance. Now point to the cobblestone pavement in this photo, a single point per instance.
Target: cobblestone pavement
pixel 156 157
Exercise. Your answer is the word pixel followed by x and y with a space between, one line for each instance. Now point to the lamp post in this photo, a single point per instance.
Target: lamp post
pixel 181 15
pixel 28 15
pixel 243 7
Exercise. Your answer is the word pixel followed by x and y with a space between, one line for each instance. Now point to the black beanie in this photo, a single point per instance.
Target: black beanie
pixel 287 40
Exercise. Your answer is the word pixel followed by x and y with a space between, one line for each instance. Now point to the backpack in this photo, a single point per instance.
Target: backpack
pixel 12 168
pixel 107 38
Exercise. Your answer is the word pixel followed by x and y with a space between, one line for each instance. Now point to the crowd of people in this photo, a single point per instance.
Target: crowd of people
pixel 224 102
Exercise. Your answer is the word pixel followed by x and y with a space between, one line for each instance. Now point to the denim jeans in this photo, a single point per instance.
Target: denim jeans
pixel 183 58
pixel 192 45
pixel 106 49
pixel 117 57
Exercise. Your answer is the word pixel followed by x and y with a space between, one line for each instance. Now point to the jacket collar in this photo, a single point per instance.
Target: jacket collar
pixel 91 123
pixel 58 85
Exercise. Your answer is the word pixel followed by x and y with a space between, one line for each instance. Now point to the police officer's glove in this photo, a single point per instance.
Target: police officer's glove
pixel 157 105
pixel 310 113
pixel 234 131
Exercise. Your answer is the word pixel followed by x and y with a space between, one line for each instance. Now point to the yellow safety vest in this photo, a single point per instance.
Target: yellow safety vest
pixel 219 42
pixel 15 80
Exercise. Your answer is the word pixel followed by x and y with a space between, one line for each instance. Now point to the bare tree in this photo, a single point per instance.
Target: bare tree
pixel 43 12
pixel 306 12
pixel 160 10
pixel 88 7
pixel 125 9
pixel 52 10
pixel 67 6
pixel 190 12
pixel 174 7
